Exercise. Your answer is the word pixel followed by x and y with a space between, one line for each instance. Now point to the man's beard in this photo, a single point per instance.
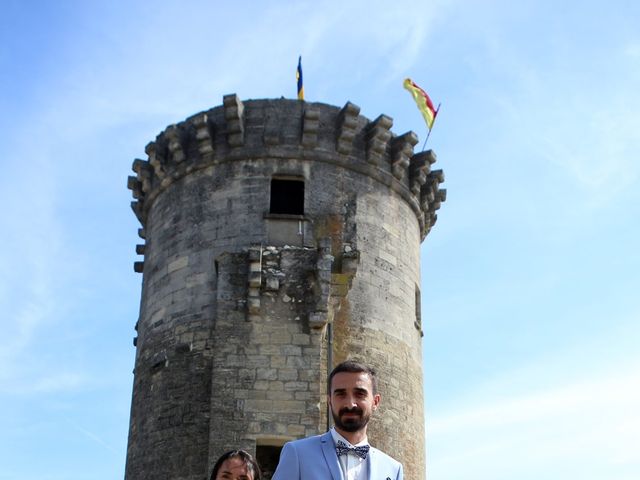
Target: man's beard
pixel 351 424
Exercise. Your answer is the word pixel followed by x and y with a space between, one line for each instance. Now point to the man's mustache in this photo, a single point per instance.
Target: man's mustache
pixel 350 410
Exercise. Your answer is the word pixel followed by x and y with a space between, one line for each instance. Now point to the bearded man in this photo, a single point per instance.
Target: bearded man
pixel 343 453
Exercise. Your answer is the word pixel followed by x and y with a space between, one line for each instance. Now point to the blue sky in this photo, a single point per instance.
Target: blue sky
pixel 530 276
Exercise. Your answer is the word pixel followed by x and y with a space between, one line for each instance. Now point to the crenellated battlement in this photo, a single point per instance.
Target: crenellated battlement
pixel 290 129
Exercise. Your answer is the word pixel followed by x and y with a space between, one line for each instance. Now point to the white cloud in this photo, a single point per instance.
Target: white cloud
pixel 56 382
pixel 633 50
pixel 569 117
pixel 36 256
pixel 621 390
pixel 97 439
pixel 583 427
pixel 138 73
pixel 31 238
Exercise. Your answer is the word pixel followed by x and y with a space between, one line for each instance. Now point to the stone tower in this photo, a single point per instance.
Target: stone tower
pixel 280 238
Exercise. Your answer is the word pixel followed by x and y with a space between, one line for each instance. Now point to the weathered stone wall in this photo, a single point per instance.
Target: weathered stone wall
pixel 378 323
pixel 268 369
pixel 232 334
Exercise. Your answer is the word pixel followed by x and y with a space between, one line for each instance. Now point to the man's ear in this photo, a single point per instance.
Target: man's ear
pixel 376 400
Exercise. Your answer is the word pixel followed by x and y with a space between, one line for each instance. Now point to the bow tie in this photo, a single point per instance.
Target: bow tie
pixel 343 449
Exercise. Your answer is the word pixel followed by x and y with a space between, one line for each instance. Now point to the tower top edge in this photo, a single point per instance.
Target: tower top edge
pixel 275 128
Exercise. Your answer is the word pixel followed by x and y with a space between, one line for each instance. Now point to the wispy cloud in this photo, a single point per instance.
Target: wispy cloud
pixel 30 244
pixel 621 390
pixel 633 50
pixel 342 42
pixel 581 426
pixel 26 381
pixel 96 438
pixel 572 115
pixel 37 263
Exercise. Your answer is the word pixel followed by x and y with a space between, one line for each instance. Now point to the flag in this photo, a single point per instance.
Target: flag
pixel 299 79
pixel 423 101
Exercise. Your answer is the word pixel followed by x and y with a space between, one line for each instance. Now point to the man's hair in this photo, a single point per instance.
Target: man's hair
pixel 352 366
pixel 245 457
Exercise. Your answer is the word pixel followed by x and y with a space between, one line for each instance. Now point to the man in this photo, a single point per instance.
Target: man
pixel 343 453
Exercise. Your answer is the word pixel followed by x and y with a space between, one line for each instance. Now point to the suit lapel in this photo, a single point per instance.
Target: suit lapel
pixel 372 463
pixel 330 456
pixel 375 465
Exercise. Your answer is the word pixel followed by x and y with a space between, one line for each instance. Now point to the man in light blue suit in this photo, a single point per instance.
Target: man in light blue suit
pixel 343 453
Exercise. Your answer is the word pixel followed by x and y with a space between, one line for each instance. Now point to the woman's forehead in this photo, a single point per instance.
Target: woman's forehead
pixel 235 465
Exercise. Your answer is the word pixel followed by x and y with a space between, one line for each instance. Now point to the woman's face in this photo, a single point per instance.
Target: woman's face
pixel 234 469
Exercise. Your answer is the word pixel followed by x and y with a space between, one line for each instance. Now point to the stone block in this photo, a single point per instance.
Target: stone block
pixel 267 374
pixel 296 431
pixel 300 339
pixel 289 406
pixel 287 374
pixel 291 350
pixel 177 264
pixel 252 405
pixel 296 386
pixel 280 395
pixel 272 284
pixel 276 385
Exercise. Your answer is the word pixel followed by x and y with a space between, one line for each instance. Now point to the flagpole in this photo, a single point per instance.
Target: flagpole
pixel 425 140
pixel 429 132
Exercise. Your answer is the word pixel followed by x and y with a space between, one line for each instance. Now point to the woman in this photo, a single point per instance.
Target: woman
pixel 236 465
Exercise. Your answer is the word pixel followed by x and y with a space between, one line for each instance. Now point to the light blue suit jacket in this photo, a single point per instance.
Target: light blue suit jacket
pixel 315 458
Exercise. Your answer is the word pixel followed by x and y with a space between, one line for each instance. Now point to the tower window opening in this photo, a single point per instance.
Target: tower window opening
pixel 287 197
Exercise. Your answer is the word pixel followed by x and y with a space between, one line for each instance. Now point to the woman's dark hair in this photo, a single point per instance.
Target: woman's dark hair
pixel 245 457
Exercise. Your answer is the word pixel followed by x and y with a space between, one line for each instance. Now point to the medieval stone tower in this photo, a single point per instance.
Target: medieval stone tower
pixel 280 238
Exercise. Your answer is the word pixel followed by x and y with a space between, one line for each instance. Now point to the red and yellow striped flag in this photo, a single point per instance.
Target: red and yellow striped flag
pixel 423 101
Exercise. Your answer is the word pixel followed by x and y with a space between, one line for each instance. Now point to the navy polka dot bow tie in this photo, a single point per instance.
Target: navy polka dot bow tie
pixel 343 449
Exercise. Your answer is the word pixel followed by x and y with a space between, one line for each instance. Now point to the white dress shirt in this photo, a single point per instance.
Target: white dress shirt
pixel 353 467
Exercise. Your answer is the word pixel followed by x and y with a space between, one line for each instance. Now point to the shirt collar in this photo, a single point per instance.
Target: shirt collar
pixel 336 436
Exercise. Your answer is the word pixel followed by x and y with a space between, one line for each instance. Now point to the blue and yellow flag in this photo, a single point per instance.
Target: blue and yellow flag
pixel 299 78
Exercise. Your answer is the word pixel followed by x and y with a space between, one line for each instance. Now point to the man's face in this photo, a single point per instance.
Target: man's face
pixel 352 400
